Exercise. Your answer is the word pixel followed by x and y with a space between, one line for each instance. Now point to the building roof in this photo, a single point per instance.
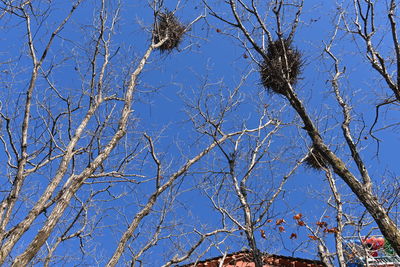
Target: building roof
pixel 244 259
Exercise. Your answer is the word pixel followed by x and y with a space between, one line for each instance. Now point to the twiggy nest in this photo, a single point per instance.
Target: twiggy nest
pixel 168 26
pixel 315 160
pixel 282 65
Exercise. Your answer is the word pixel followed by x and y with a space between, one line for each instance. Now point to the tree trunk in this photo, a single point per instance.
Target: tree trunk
pixel 364 194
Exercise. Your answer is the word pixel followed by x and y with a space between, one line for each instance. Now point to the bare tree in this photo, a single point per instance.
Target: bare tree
pixel 84 165
pixel 72 145
pixel 267 33
pixel 84 145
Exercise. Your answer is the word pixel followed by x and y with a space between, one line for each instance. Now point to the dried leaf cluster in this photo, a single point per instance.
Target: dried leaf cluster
pixel 168 26
pixel 282 66
pixel 315 160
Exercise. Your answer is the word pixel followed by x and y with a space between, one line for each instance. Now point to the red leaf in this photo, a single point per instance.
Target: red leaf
pixel 293 235
pixel 263 234
pixel 300 223
pixel 331 230
pixel 322 224
pixel 281 229
pixel 280 221
pixel 313 237
pixel 298 216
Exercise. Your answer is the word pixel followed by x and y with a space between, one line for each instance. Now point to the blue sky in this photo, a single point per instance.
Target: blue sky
pixel 170 81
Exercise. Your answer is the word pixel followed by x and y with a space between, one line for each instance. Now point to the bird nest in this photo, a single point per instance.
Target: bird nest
pixel 281 67
pixel 315 160
pixel 170 28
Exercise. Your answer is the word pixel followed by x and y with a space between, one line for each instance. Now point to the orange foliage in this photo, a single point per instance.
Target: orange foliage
pixel 298 216
pixel 301 223
pixel 263 234
pixel 331 230
pixel 313 237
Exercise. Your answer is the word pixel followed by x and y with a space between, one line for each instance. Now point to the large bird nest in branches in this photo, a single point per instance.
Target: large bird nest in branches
pixel 315 160
pixel 168 26
pixel 281 66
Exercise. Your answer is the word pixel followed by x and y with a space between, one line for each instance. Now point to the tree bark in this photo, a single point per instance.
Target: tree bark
pixel 362 191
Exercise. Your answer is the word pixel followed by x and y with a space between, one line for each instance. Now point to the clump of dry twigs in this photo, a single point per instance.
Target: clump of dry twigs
pixel 282 65
pixel 315 160
pixel 168 26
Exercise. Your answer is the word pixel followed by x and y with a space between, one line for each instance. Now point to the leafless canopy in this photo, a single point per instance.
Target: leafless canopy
pixel 111 156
